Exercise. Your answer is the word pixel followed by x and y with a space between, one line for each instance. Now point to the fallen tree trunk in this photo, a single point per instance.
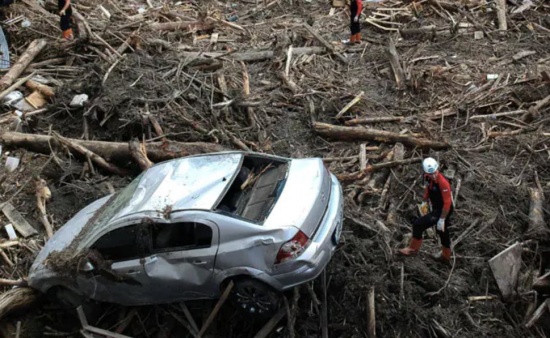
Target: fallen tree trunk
pixel 174 26
pixel 362 134
pixel 395 63
pixel 24 60
pixel 113 151
pixel 251 56
pixel 44 89
pixel 16 299
pixel 537 226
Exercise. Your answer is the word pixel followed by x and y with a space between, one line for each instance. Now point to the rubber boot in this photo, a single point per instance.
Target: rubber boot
pixel 444 256
pixel 352 38
pixel 358 38
pixel 412 249
pixel 67 34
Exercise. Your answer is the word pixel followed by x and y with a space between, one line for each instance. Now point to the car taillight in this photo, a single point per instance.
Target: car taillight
pixel 293 248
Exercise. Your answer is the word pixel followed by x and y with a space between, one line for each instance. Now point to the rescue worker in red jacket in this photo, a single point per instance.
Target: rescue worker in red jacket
pixel 438 193
pixel 65 13
pixel 356 6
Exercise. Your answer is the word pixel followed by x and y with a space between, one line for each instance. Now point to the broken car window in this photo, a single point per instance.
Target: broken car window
pixel 123 244
pixel 183 236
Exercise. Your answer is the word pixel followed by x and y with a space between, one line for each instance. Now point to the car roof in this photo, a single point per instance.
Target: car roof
pixel 186 183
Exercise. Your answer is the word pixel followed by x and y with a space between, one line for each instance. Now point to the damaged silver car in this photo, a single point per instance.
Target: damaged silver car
pixel 185 228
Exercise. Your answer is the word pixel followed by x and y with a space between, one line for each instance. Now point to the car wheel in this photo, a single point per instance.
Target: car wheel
pixel 254 297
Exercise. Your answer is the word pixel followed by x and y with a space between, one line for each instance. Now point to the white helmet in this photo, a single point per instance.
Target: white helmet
pixel 430 165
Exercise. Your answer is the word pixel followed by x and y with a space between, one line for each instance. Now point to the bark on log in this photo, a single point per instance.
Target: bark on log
pixel 367 120
pixel 325 43
pixel 396 65
pixel 43 89
pixel 174 26
pixel 362 134
pixel 429 32
pixel 537 226
pixel 251 56
pixel 501 14
pixel 32 51
pixel 91 155
pixel 138 152
pixel 16 299
pixel 371 319
pixel 113 151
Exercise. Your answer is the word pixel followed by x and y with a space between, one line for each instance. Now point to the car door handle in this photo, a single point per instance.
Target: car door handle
pixel 264 241
pixel 197 262
pixel 132 272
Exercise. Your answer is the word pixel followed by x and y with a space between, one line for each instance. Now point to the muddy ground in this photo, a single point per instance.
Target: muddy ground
pixel 414 297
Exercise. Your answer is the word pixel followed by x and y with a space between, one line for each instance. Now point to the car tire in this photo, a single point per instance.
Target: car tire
pixel 254 297
pixel 69 301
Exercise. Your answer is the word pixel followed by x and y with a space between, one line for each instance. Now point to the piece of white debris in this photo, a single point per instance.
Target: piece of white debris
pixel 79 100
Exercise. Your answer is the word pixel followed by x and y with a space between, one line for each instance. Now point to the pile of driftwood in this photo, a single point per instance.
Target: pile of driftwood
pixel 164 80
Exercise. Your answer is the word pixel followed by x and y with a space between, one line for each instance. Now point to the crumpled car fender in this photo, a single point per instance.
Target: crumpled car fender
pixel 228 274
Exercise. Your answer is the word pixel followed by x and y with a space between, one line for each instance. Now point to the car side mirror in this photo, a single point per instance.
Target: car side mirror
pixel 87 267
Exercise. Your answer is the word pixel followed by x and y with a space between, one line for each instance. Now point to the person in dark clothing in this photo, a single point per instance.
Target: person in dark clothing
pixel 65 13
pixel 356 6
pixel 438 193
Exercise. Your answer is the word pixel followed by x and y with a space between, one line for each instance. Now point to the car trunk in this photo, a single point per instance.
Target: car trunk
pixel 305 197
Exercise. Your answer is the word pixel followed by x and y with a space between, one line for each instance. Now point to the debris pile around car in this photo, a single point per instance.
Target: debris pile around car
pixel 145 81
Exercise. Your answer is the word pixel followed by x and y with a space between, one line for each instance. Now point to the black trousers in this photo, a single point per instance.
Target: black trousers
pixel 355 27
pixel 65 20
pixel 422 223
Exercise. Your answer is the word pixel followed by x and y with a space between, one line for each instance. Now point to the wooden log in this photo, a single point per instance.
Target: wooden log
pixel 371 319
pixel 325 43
pixel 15 86
pixel 43 89
pixel 113 151
pixel 246 93
pixel 17 220
pixel 392 164
pixel 535 109
pixel 100 161
pixel 396 65
pixel 43 194
pixel 174 26
pixel 537 226
pixel 138 152
pixel 24 60
pixel 367 120
pixel 16 299
pixel 545 306
pixel 356 99
pixel 270 325
pixel 362 134
pixel 542 284
pixel 251 56
pixel 429 32
pixel 216 309
pixel 501 15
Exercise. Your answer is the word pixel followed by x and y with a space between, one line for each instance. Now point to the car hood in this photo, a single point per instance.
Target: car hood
pixel 304 198
pixel 68 232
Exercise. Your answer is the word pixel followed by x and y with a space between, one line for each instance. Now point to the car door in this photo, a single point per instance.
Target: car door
pixel 118 272
pixel 183 258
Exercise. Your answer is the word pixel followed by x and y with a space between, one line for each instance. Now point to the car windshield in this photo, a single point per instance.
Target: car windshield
pixel 117 203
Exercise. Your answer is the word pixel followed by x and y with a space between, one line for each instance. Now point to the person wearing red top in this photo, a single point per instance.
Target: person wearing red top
pixel 438 193
pixel 355 7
